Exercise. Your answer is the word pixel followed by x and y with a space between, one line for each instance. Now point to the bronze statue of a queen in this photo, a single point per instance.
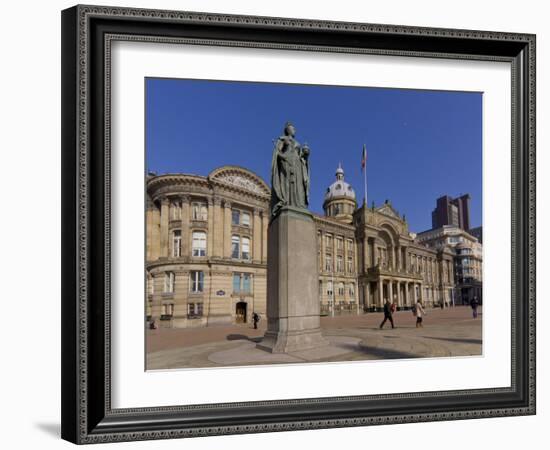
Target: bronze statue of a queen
pixel 290 176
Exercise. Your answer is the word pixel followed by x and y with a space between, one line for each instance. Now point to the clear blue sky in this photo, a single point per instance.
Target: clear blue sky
pixel 420 144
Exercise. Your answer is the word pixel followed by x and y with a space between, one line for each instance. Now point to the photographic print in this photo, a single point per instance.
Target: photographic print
pixel 294 223
pixel 325 203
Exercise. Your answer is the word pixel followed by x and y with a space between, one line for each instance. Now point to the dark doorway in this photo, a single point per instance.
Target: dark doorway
pixel 240 312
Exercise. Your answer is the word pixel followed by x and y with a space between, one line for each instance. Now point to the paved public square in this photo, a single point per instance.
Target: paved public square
pixel 446 333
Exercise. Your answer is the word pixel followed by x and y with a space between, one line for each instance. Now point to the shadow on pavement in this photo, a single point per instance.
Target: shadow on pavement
pixel 242 337
pixel 379 353
pixel 461 340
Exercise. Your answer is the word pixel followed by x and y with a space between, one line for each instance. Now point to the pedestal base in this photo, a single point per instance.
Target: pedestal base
pixel 293 308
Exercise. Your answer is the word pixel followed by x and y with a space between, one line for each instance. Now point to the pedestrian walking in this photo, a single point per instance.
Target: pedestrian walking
pixel 387 314
pixel 474 304
pixel 255 320
pixel 419 312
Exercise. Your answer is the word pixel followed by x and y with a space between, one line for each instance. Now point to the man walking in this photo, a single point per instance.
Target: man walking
pixel 255 320
pixel 474 304
pixel 387 314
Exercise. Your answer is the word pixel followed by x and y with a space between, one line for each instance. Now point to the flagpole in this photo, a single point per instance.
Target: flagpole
pixel 365 171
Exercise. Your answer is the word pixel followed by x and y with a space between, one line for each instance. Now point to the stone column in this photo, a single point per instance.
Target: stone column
pixel 366 261
pixel 380 291
pixel 155 233
pixel 415 293
pixel 185 230
pixel 164 218
pixel 323 251
pixel 210 234
pixel 398 259
pixel 390 291
pixel 355 256
pixel 227 230
pixel 366 301
pixel 217 235
pixel 406 293
pixel 399 299
pixel 257 237
pixel 334 252
pixel 265 221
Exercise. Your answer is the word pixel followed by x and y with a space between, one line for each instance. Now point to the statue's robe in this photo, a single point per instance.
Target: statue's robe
pixel 289 175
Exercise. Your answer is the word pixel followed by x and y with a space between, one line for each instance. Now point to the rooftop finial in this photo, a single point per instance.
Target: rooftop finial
pixel 339 172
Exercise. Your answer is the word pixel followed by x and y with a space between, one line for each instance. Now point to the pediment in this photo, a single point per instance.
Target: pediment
pixel 388 210
pixel 240 178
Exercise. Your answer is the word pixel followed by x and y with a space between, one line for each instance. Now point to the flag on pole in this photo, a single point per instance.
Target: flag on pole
pixel 364 158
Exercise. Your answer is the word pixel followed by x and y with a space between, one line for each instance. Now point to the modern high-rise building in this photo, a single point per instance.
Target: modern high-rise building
pixel 449 211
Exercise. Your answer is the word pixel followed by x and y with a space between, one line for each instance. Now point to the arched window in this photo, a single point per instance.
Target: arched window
pixel 199 243
pixel 351 291
pixel 329 288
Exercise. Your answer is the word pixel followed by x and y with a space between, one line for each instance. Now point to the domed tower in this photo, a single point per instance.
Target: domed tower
pixel 340 200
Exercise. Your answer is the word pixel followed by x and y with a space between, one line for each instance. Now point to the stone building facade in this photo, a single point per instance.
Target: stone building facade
pixel 468 259
pixel 206 251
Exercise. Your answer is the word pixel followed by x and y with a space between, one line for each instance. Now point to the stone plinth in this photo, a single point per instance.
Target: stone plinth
pixel 293 309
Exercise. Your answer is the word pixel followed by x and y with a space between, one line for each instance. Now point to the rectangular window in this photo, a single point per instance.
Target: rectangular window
pixel 194 310
pixel 237 283
pixel 199 211
pixel 169 281
pixel 245 219
pixel 339 264
pixel 328 240
pixel 197 281
pixel 339 243
pixel 350 264
pixel 245 250
pixel 176 243
pixel 176 210
pixel 235 247
pixel 167 309
pixel 235 217
pixel 351 291
pixel 242 283
pixel 328 263
pixel 341 289
pixel 246 283
pixel 199 243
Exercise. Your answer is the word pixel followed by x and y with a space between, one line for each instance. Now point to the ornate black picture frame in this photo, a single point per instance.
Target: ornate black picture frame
pixel 87 415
